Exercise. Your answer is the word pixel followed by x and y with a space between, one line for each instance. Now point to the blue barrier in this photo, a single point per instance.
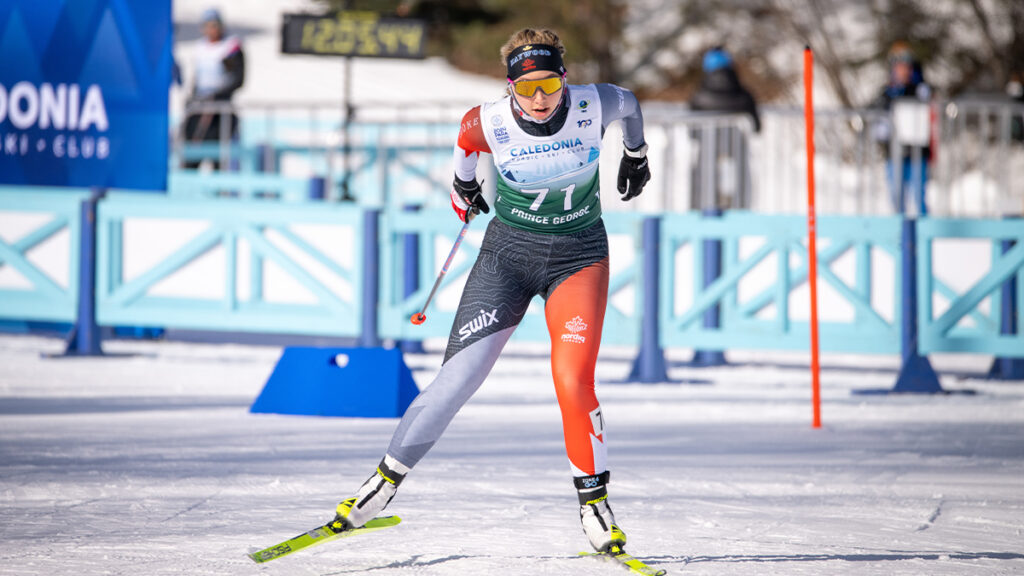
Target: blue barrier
pixel 355 382
pixel 947 332
pixel 84 339
pixel 711 270
pixel 397 304
pixel 1011 296
pixel 244 245
pixel 247 185
pixel 649 365
pixel 381 173
pixel 369 335
pixel 270 232
pixel 411 277
pixel 248 158
pixel 781 237
pixel 43 298
pixel 916 373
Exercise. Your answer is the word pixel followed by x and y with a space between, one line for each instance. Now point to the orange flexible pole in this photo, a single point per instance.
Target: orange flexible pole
pixel 812 248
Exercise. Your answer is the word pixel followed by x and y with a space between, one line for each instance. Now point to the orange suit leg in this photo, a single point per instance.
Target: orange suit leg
pixel 575 315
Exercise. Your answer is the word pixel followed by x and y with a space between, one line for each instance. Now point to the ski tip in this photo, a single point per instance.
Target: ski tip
pixel 258 557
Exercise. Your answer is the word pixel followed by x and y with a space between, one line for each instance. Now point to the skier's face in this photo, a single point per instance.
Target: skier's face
pixel 541 104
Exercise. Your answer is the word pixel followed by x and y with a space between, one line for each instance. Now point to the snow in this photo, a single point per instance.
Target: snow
pixel 148 462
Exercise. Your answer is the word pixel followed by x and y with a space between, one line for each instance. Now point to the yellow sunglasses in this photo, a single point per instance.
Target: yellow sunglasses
pixel 529 87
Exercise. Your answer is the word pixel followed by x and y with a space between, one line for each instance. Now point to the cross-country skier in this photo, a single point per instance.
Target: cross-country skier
pixel 548 238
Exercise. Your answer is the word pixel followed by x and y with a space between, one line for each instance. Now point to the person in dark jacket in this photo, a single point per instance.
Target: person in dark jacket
pixel 721 91
pixel 1015 90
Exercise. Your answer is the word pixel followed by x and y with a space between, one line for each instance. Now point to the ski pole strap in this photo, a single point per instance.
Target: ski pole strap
pixel 592 488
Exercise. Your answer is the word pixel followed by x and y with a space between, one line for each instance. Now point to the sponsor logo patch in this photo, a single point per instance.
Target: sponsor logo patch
pixel 575 326
pixel 477 324
pixel 565 144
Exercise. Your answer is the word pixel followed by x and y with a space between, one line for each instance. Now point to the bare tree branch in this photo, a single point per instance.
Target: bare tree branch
pixel 995 63
pixel 832 64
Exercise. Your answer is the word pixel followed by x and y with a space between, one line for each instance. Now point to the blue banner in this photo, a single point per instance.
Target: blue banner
pixel 83 92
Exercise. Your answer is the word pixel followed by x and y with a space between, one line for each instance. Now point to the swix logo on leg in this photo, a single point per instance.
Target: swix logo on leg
pixel 477 324
pixel 575 326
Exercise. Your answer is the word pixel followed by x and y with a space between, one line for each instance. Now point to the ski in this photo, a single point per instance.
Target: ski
pixel 320 535
pixel 634 565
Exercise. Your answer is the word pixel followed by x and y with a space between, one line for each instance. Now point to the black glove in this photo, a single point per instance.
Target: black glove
pixel 633 172
pixel 468 198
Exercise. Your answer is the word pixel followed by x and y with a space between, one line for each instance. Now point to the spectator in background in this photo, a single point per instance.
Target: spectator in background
pixel 906 83
pixel 721 91
pixel 1015 90
pixel 219 72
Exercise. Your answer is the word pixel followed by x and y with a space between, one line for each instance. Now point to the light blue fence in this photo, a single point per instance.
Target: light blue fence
pixel 781 239
pixel 438 228
pixel 248 185
pixel 258 255
pixel 387 163
pixel 270 235
pixel 34 216
pixel 963 326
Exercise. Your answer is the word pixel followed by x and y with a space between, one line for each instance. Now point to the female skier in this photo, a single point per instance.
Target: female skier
pixel 547 239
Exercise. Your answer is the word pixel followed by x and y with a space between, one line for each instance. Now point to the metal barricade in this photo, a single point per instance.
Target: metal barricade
pixel 980 148
pixel 868 162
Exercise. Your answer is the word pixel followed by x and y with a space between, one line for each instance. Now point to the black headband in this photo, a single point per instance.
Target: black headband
pixel 531 57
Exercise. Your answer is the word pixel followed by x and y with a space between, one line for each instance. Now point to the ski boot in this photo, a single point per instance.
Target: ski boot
pixel 372 497
pixel 595 513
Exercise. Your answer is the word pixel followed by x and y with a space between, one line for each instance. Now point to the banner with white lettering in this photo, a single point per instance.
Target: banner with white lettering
pixel 83 93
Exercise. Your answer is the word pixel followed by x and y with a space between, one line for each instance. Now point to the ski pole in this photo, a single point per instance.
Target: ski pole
pixel 421 317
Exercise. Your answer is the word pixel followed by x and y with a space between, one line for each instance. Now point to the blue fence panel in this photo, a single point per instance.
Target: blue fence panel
pixel 44 298
pixel 260 245
pixel 946 333
pixel 244 158
pixel 437 229
pixel 783 238
pixel 269 233
pixel 248 185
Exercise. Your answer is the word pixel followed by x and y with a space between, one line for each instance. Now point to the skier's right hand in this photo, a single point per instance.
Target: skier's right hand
pixel 468 199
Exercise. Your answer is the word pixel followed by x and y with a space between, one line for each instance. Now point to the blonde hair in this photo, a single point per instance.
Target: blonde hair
pixel 530 36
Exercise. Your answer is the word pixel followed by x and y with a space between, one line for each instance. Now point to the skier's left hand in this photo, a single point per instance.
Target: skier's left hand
pixel 633 172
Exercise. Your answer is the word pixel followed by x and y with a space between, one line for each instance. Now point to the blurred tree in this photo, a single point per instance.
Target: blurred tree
pixel 656 46
pixel 469 33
